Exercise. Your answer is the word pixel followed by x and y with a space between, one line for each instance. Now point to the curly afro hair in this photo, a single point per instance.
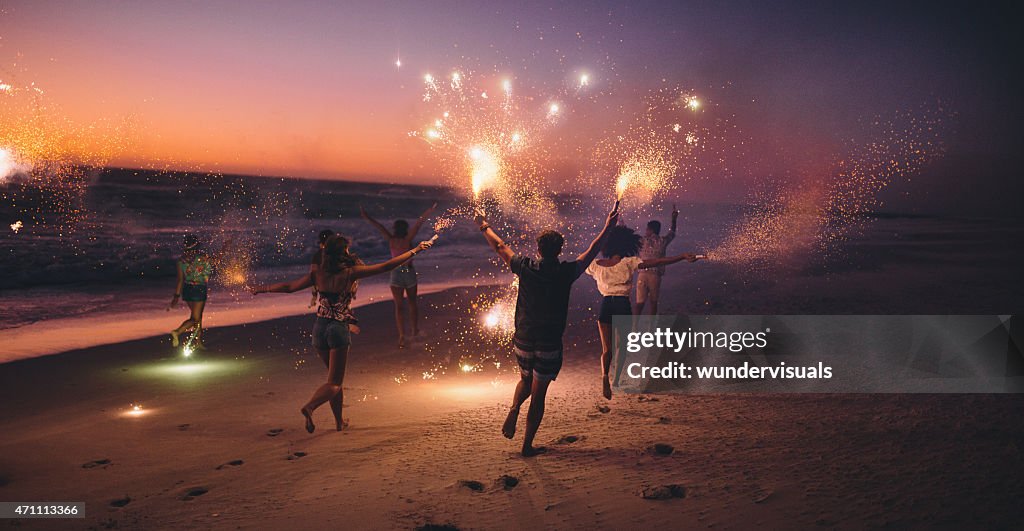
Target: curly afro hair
pixel 621 241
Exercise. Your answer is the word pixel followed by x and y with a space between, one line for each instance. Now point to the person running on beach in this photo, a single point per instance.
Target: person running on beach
pixel 614 276
pixel 334 277
pixel 194 270
pixel 648 281
pixel 403 279
pixel 542 308
pixel 314 264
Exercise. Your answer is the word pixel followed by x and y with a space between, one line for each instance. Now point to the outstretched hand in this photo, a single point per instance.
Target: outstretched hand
pixel 690 257
pixel 424 245
pixel 479 216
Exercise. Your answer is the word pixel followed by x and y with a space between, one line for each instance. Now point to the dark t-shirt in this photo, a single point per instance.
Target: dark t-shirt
pixel 543 303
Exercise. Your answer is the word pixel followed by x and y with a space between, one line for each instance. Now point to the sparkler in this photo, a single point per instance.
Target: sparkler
pixel 16 226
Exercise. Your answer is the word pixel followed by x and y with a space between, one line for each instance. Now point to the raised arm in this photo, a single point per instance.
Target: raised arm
pixel 668 260
pixel 492 238
pixel 672 230
pixel 383 230
pixel 363 271
pixel 291 286
pixel 422 219
pixel 595 246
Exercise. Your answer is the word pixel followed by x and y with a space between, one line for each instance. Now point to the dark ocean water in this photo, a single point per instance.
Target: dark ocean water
pixel 113 250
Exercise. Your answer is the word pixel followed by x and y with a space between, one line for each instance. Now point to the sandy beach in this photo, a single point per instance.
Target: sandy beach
pixel 218 443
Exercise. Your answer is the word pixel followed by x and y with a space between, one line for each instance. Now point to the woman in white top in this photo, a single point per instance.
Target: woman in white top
pixel 614 276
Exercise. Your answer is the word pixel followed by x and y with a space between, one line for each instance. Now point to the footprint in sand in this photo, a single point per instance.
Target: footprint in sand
pixel 99 462
pixel 663 492
pixel 437 527
pixel 662 420
pixel 184 427
pixel 569 439
pixel 194 492
pixel 474 486
pixel 661 449
pixel 507 482
pixel 604 409
pixel 275 432
pixel 297 455
pixel 236 462
pixel 120 502
pixel 645 398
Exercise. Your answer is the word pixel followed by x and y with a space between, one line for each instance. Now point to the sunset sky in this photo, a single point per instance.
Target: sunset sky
pixel 311 89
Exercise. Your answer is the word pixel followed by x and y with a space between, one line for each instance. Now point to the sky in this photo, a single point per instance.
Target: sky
pixel 311 89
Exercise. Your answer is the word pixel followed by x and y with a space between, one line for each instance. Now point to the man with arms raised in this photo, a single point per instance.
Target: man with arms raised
pixel 542 308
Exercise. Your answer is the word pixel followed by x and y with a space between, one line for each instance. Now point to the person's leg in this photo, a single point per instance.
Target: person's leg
pixel 654 288
pixel 335 401
pixel 197 316
pixel 398 294
pixel 414 311
pixel 523 390
pixel 333 387
pixel 605 329
pixel 538 393
pixel 623 308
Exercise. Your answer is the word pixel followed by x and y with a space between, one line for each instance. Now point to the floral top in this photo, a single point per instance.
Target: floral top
pixel 335 306
pixel 196 270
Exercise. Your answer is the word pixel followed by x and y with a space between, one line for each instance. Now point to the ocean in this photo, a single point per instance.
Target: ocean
pixel 98 267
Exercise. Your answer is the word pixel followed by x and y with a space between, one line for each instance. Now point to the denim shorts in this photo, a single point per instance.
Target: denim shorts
pixel 614 306
pixel 330 334
pixel 403 277
pixel 193 292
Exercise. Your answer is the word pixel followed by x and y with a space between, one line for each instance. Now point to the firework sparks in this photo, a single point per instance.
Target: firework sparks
pixel 484 169
pixel 584 80
pixel 16 226
pixel 816 217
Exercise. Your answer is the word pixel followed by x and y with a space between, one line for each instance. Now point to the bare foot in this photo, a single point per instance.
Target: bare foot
pixel 342 425
pixel 509 428
pixel 309 419
pixel 174 338
pixel 606 388
pixel 530 451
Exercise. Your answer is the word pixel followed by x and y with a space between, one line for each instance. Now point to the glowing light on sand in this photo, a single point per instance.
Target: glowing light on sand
pixel 135 410
pixel 16 226
pixel 187 351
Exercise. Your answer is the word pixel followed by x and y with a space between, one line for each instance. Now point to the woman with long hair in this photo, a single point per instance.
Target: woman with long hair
pixel 339 269
pixel 194 269
pixel 404 280
pixel 614 276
